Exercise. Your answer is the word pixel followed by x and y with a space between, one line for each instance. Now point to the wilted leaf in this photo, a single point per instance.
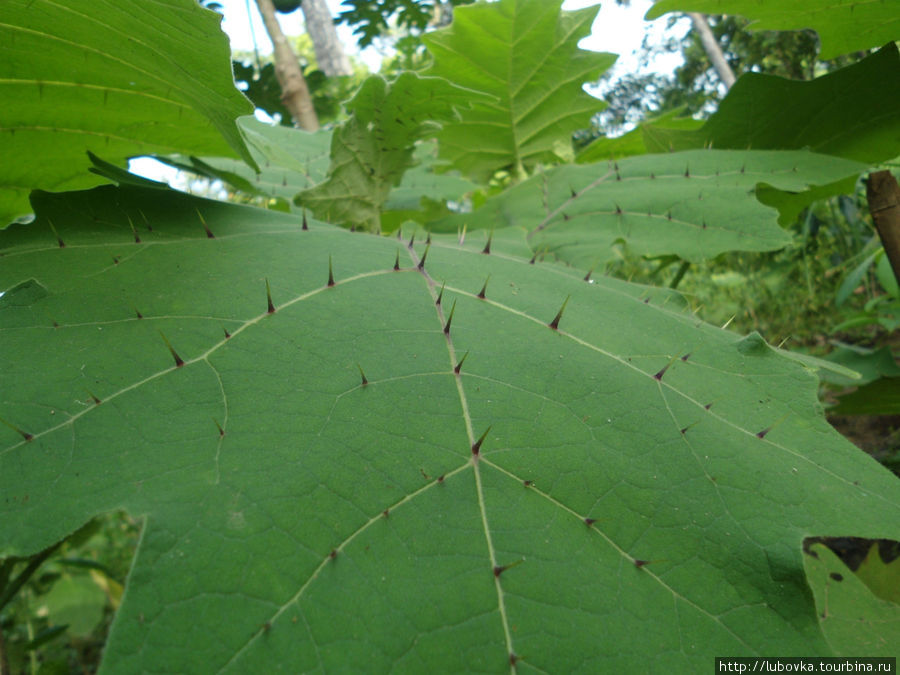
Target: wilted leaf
pixel 371 151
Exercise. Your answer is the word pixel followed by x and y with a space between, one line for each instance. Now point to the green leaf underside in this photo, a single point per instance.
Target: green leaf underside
pixel 141 77
pixel 853 619
pixel 695 204
pixel 843 26
pixel 342 525
pixel 289 160
pixel 525 53
pixel 371 151
pixel 853 112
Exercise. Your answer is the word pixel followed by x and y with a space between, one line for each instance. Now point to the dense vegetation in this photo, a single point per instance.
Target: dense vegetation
pixel 393 410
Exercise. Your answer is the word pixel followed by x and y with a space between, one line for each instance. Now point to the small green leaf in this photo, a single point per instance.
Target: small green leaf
pixel 880 574
pixel 77 602
pixel 853 619
pixel 637 141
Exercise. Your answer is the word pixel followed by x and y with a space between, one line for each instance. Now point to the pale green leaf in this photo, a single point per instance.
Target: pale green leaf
pixel 638 501
pixel 74 601
pixel 881 574
pixel 636 141
pixel 371 151
pixel 524 53
pixel 289 160
pixel 424 180
pixel 853 112
pixel 695 204
pixel 843 26
pixel 115 78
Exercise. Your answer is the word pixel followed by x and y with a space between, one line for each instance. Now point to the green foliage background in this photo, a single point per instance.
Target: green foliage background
pixel 432 451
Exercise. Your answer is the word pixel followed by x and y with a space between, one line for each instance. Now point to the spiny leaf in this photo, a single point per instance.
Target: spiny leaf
pixel 347 527
pixel 525 53
pixel 169 91
pixel 695 204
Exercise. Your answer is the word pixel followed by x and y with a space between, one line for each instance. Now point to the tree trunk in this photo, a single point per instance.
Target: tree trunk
pixel 883 195
pixel 329 51
pixel 712 49
pixel 294 92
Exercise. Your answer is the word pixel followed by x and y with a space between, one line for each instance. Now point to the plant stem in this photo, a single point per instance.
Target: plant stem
pixel 679 275
pixel 34 562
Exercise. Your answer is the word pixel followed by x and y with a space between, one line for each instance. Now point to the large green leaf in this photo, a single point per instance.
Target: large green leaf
pixel 853 112
pixel 371 151
pixel 525 53
pixel 116 78
pixel 695 204
pixel 843 26
pixel 606 484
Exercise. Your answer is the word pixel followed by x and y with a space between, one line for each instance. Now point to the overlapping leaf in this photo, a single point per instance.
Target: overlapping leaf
pixel 375 469
pixel 637 141
pixel 853 112
pixel 116 78
pixel 289 160
pixel 371 151
pixel 843 26
pixel 695 204
pixel 854 620
pixel 524 53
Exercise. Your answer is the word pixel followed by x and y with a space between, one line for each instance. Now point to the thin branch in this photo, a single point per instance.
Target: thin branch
pixel 294 92
pixel 712 49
